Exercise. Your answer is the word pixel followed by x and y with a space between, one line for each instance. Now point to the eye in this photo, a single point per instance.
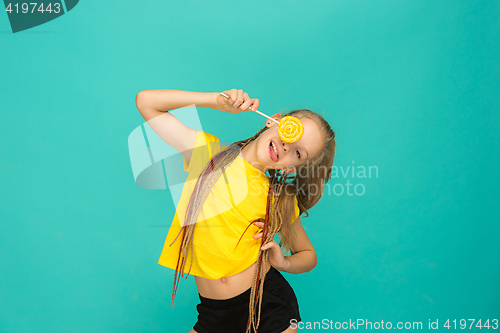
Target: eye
pixel 298 153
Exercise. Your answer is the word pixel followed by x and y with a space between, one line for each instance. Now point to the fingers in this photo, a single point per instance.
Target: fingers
pixel 240 100
pixel 236 97
pixel 233 95
pixel 247 101
pixel 259 235
pixel 261 226
pixel 255 104
pixel 268 245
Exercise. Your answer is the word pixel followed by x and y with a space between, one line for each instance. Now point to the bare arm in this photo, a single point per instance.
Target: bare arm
pixel 154 106
pixel 152 103
pixel 305 258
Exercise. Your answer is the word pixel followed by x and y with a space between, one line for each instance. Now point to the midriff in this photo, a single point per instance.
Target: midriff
pixel 228 286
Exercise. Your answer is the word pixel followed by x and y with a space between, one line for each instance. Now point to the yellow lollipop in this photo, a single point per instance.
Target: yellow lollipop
pixel 290 129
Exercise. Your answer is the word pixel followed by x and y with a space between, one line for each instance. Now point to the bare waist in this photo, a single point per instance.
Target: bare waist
pixel 228 286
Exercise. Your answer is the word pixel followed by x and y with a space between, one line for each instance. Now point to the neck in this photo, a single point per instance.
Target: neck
pixel 249 154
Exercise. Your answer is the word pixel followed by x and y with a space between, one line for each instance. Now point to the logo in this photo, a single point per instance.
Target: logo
pixel 25 15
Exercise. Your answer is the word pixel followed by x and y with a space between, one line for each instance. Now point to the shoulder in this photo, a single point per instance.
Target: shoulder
pixel 206 142
pixel 209 141
pixel 208 136
pixel 205 146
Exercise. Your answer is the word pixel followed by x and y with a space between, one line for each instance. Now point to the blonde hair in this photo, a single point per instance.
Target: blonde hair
pixel 314 175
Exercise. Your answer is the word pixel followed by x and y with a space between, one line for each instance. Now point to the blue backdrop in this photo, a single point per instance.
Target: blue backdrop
pixel 411 88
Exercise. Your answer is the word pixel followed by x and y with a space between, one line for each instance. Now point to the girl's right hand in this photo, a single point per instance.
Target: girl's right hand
pixel 237 102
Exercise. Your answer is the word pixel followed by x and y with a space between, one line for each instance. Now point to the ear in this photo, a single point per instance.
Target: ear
pixel 277 117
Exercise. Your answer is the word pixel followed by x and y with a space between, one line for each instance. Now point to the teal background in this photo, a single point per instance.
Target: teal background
pixel 411 87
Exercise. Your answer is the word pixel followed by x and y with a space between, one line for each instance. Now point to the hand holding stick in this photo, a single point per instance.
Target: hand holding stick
pixel 290 129
pixel 256 111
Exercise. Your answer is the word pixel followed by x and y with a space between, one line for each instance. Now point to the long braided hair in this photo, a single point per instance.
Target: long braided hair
pixel 279 208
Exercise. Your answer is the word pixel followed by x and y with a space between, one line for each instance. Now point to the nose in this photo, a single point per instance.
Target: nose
pixel 284 146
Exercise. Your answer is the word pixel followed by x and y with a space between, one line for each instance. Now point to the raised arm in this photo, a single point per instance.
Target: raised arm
pixel 154 106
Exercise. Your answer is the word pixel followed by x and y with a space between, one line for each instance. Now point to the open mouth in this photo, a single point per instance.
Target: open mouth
pixel 273 151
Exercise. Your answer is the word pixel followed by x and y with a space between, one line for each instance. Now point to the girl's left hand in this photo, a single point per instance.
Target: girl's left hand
pixel 276 258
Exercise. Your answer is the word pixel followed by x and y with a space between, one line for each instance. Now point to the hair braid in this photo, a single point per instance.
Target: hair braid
pixel 272 224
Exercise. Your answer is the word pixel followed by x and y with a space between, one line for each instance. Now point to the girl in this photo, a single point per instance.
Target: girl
pixel 223 230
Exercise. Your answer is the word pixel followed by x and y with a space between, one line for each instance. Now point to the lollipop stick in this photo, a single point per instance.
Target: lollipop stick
pixel 256 111
pixel 277 122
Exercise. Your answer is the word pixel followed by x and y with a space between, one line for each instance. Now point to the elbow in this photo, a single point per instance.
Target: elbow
pixel 139 99
pixel 313 261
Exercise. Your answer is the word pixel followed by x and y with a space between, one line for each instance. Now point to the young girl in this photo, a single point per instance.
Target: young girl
pixel 224 227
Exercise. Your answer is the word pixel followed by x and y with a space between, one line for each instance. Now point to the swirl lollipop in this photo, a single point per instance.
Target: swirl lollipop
pixel 290 129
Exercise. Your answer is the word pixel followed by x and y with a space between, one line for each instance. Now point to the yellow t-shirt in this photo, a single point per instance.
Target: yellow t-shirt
pixel 238 197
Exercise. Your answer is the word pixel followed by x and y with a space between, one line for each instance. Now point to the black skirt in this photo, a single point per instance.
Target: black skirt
pixel 279 307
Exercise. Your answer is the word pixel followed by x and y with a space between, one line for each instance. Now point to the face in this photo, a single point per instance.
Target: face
pixel 290 156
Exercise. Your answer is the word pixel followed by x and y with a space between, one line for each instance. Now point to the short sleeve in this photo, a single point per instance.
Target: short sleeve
pixel 297 210
pixel 205 146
